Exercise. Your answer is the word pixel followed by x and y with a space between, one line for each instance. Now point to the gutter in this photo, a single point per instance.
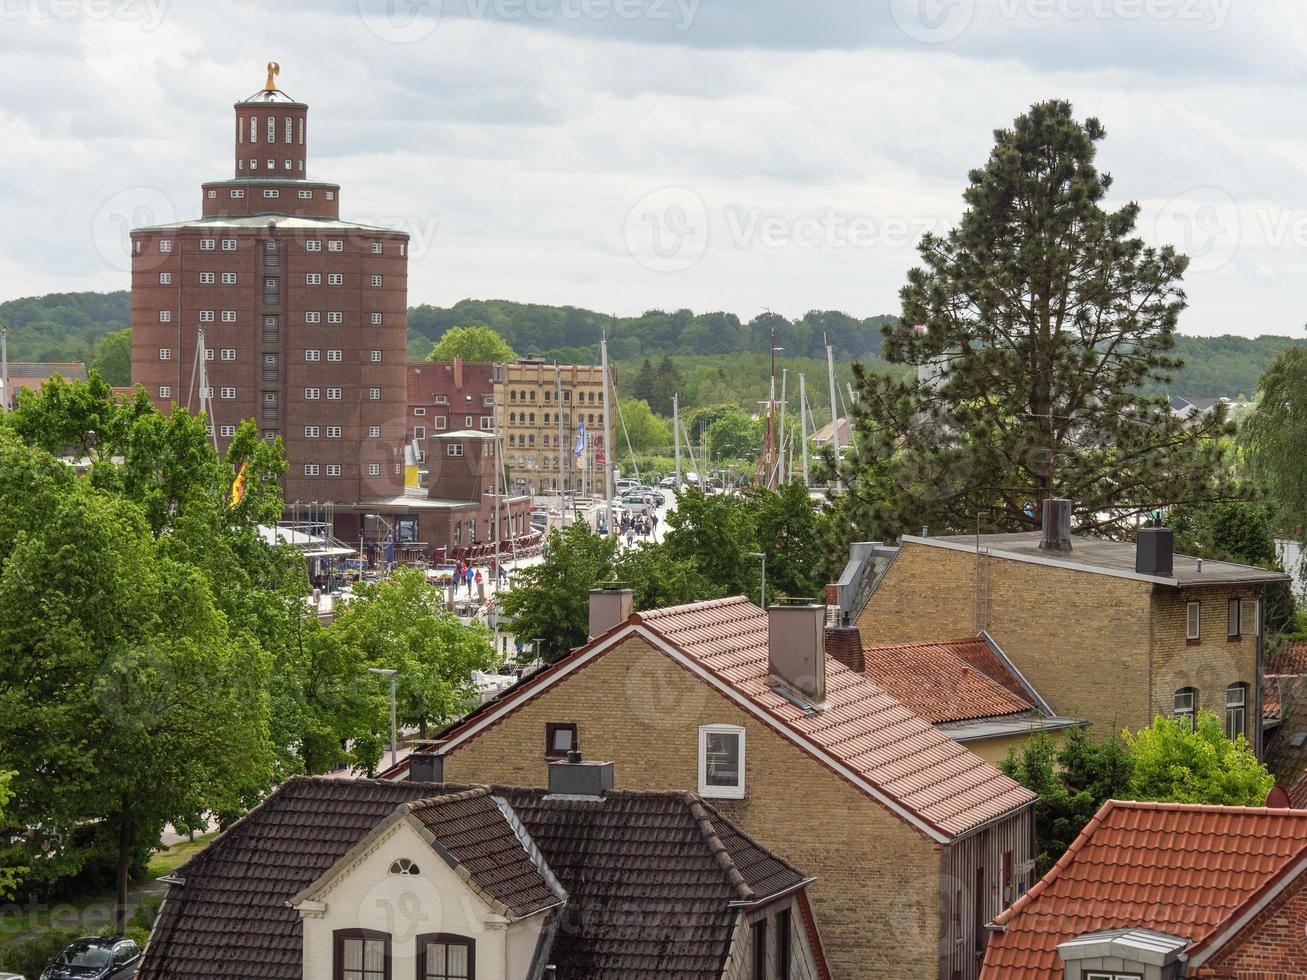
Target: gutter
pixel 741 903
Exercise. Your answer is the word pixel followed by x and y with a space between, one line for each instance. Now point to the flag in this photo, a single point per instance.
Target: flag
pixel 579 450
pixel 238 485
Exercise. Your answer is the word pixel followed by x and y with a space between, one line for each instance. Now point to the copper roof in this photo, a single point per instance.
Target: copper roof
pixel 1181 869
pixel 935 681
pixel 866 729
pixel 1290 660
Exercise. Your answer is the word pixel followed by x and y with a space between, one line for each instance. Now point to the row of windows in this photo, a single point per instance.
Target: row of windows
pixel 440 424
pixel 336 245
pixel 591 396
pixel 227 353
pixel 206 278
pixel 333 469
pixel 336 355
pixel 288 129
pixel 312 431
pixel 529 418
pixel 365 954
pixel 1242 618
pixel 206 245
pixel 272 165
pixel 315 279
pixel 310 245
pixel 1186 706
pixel 334 394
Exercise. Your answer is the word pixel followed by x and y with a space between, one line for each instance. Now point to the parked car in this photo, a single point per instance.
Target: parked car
pixel 539 521
pixel 10 976
pixel 626 486
pixel 657 496
pixel 669 483
pixel 93 958
pixel 638 503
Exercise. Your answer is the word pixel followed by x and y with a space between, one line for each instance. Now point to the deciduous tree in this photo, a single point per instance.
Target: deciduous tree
pixel 476 344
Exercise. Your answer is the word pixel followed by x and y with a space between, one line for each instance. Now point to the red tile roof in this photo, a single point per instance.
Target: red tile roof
pixel 1271 707
pixel 1291 660
pixel 1181 869
pixel 937 682
pixel 866 729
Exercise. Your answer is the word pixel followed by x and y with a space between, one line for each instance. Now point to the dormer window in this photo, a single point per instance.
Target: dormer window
pixel 404 867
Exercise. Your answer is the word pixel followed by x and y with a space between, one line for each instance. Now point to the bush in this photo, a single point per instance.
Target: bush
pixel 147 910
pixel 29 958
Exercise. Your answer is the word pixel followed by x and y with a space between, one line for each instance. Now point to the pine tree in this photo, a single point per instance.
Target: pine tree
pixel 642 388
pixel 668 381
pixel 1035 323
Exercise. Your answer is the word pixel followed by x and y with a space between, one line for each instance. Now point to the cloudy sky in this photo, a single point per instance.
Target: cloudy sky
pixel 628 154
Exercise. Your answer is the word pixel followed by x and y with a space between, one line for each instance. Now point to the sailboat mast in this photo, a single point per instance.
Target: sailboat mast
pixel 803 424
pixel 834 407
pixel 676 430
pixel 608 449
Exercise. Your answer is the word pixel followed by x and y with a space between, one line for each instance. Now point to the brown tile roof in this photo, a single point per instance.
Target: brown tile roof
pixel 1181 869
pixel 1271 696
pixel 1292 659
pixel 473 830
pixel 1298 792
pixel 668 855
pixel 924 772
pixel 938 683
pixel 650 877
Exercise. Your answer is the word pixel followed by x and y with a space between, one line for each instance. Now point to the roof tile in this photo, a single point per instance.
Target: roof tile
pixel 940 682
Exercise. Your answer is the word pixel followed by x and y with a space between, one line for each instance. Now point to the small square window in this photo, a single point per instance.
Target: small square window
pixel 207 244
pixel 454 449
pixel 212 195
pixel 334 355
pixel 333 432
pixel 229 244
pixel 310 469
pixel 336 246
pixel 333 469
pixel 227 431
pixel 336 316
pixel 313 355
pixel 310 432
pixel 165 278
pixel 335 279
pixel 227 393
pixel 376 280
pixel 313 246
pixel 206 278
pixel 333 394
pixel 228 316
pixel 376 319
pixel 374 394
pixel 376 248
pixel 206 316
pixel 376 357
pixel 238 192
pixel 165 391
pixel 313 279
pixel 228 278
pixel 560 739
pixel 306 195
pixel 165 316
pixel 311 394
pixel 419 432
pixel 312 317
pixel 440 422
pixel 374 469
pixel 229 353
pixel 208 353
pixel 165 245
pixel 374 432
pixel 165 353
pixel 419 411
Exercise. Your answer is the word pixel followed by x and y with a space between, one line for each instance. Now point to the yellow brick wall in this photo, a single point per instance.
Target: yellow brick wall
pixel 1081 639
pixel 876 897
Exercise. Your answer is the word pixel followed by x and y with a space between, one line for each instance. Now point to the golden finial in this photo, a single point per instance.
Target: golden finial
pixel 274 69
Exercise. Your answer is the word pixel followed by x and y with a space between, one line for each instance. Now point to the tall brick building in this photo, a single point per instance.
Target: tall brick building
pixel 303 318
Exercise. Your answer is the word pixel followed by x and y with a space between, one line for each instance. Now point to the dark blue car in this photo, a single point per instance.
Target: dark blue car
pixel 94 958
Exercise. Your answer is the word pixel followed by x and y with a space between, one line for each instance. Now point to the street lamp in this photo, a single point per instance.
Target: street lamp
pixel 394 730
pixel 762 589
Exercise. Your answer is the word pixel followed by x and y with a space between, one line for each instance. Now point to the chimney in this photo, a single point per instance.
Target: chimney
pixel 796 646
pixel 609 607
pixel 458 374
pixel 574 776
pixel 1056 534
pixel 1154 551
pixel 844 643
pixel 426 767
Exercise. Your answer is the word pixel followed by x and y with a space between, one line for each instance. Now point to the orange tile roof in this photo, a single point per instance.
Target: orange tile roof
pixel 940 685
pixel 1181 869
pixel 1291 660
pixel 1271 696
pixel 866 729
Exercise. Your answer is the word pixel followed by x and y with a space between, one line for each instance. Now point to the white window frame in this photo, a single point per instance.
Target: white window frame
pixel 333 469
pixel 165 278
pixel 306 195
pixel 336 245
pixel 376 319
pixel 228 316
pixel 229 244
pixel 209 354
pixel 310 469
pixel 229 353
pixel 336 316
pixel 208 278
pixel 207 316
pixel 735 792
pixel 212 195
pixel 227 393
pixel 334 394
pixel 376 248
pixel 312 317
pixel 335 279
pixel 1241 705
pixel 312 355
pixel 165 391
pixel 1250 617
pixel 335 356
pixel 420 410
pixel 378 280
pixel 440 423
pixel 208 244
pixel 238 192
pixel 374 394
pixel 313 245
pixel 1193 620
pixel 312 394
pixel 453 449
pixel 228 278
pixel 311 432
pixel 165 353
pixel 374 432
pixel 419 432
pixel 165 245
pixel 374 469
pixel 165 316
pixel 376 357
pixel 227 431
pixel 334 432
pixel 313 278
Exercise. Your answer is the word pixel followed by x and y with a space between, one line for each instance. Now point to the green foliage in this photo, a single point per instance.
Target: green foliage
pixel 1072 779
pixel 477 344
pixel 9 876
pixel 1274 436
pixel 646 432
pixel 30 958
pixel 735 435
pixel 1178 764
pixel 402 625
pixel 63 326
pixel 1044 317
pixel 113 358
pixel 658 580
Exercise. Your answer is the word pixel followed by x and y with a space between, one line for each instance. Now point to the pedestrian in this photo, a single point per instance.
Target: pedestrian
pixel 467 577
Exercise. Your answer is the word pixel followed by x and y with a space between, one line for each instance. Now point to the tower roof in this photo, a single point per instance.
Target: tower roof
pixel 265 96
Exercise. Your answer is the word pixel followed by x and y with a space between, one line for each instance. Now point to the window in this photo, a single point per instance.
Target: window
pixel 228 278
pixel 227 393
pixel 254 164
pixel 1232 619
pixel 376 319
pixel 238 192
pixel 206 316
pixel 165 278
pixel 227 431
pixel 1236 711
pixel 313 355
pixel 454 449
pixel 165 245
pixel 165 353
pixel 311 394
pixel 312 317
pixel 376 248
pixel 1193 622
pixel 313 246
pixel 760 949
pixel 376 280
pixel 335 279
pixel 1113 976
pixel 208 353
pixel 313 279
pixel 207 244
pixel 336 246
pixel 361 954
pixel 440 422
pixel 336 317
pixel 376 357
pixel 331 195
pixel 207 278
pixel 419 411
pixel 333 394
pixel 269 192
pixel 721 761
pixel 306 195
pixel 374 469
pixel 442 400
pixel 310 469
pixel 374 432
pixel 272 164
pixel 560 739
pixel 404 867
pixel 333 432
pixel 165 392
pixel 442 956
pixel 228 316
pixel 419 432
pixel 301 136
pixel 310 432
pixel 212 195
pixel 333 469
pixel 334 355
pixel 165 316
pixel 254 129
pixel 374 394
pixel 487 423
pixel 289 130
pixel 229 244
pixel 1186 705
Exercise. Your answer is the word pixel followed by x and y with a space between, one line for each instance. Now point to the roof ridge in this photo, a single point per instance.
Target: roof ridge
pixel 1204 807
pixel 663 611
pixel 430 802
pixel 717 848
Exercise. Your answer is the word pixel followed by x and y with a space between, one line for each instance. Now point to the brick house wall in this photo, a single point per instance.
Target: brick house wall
pixel 1108 649
pixel 877 895
pixel 1271 947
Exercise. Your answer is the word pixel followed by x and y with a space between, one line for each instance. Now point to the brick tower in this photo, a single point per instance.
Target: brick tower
pixel 304 317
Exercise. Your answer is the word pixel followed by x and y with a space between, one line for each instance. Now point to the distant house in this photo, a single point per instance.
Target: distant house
pixel 914 841
pixel 1162 891
pixel 32 374
pixel 1191 409
pixel 370 880
pixel 823 435
pixel 1110 631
